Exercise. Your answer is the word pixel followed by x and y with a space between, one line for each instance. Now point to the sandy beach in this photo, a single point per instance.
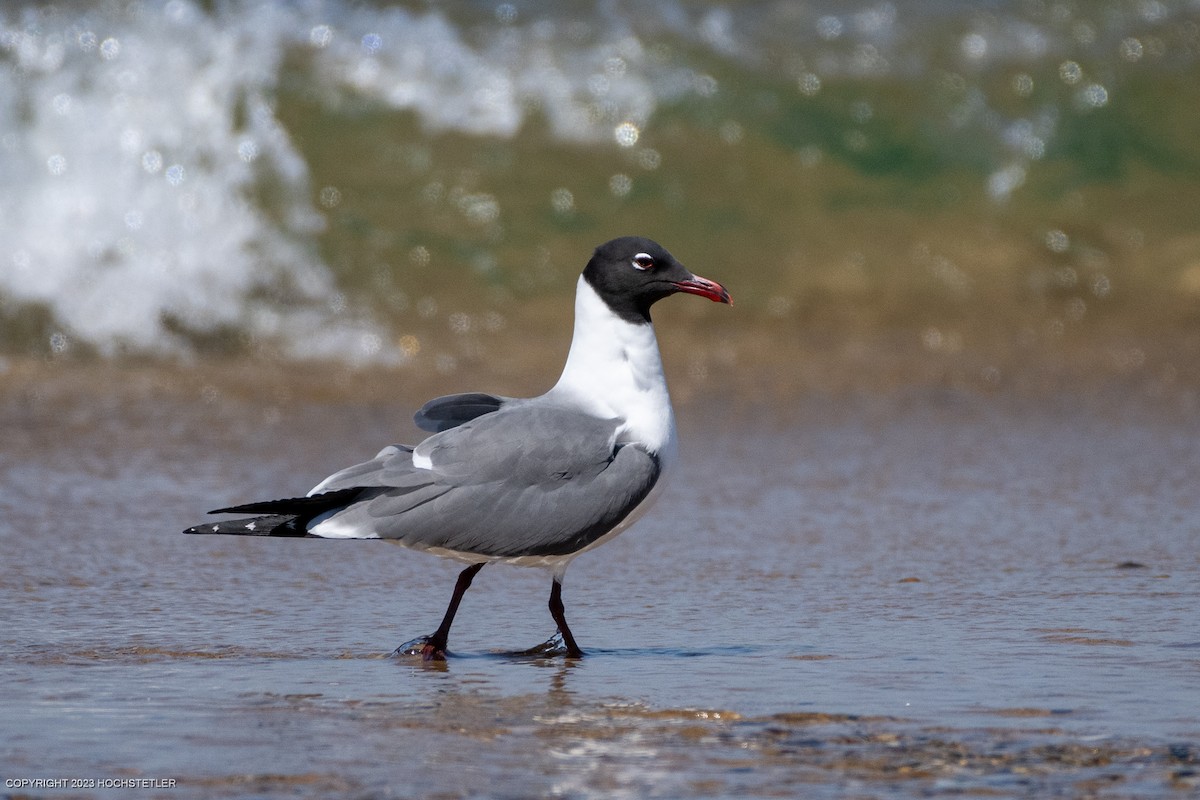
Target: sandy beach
pixel 876 593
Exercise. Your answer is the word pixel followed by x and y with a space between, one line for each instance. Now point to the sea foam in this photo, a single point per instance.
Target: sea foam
pixel 150 196
pixel 135 145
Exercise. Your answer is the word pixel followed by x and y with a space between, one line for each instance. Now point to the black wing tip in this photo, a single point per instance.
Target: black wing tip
pixel 310 505
pixel 288 525
pixel 258 507
pixel 286 517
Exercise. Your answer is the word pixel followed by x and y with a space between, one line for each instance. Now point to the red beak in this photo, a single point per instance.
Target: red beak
pixel 705 288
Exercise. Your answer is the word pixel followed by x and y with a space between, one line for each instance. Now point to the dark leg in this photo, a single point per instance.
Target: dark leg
pixel 562 643
pixel 556 611
pixel 433 647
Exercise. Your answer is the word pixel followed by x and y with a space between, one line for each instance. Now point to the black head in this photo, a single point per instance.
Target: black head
pixel 633 273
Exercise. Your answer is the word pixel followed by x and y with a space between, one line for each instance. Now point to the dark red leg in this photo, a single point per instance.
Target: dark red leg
pixel 433 647
pixel 556 611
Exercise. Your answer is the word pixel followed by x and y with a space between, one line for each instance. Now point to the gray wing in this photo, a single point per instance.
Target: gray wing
pixel 443 413
pixel 391 467
pixel 527 482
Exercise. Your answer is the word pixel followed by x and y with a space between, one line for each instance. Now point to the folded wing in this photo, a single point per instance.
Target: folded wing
pixel 443 413
pixel 530 481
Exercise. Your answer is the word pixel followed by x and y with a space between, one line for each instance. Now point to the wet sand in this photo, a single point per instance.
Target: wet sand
pixel 851 589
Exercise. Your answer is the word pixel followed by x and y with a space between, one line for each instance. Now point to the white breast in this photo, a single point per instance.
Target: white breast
pixel 614 371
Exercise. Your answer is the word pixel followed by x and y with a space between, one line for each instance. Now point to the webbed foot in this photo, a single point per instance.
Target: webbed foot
pixel 556 645
pixel 424 646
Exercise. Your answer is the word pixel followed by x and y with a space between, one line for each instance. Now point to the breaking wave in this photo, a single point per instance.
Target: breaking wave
pixel 151 197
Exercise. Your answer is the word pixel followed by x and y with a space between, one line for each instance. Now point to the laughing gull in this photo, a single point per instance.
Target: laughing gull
pixel 528 481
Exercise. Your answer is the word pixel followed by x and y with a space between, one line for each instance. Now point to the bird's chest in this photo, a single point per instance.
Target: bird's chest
pixel 635 392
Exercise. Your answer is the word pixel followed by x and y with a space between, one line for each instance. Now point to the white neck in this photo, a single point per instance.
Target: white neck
pixel 614 371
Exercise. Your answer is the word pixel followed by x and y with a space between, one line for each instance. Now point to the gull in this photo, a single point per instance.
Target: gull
pixel 528 481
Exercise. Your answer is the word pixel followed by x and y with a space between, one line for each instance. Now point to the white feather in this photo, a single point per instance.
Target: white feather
pixel 329 527
pixel 614 371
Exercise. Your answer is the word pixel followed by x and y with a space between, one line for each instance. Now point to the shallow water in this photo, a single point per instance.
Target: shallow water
pixel 887 595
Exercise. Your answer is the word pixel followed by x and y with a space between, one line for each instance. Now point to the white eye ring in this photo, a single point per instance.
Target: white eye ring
pixel 643 261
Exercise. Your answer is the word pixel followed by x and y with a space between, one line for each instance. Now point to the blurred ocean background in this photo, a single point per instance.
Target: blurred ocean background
pixel 420 182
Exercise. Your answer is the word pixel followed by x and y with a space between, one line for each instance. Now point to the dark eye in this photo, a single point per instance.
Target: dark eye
pixel 643 261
